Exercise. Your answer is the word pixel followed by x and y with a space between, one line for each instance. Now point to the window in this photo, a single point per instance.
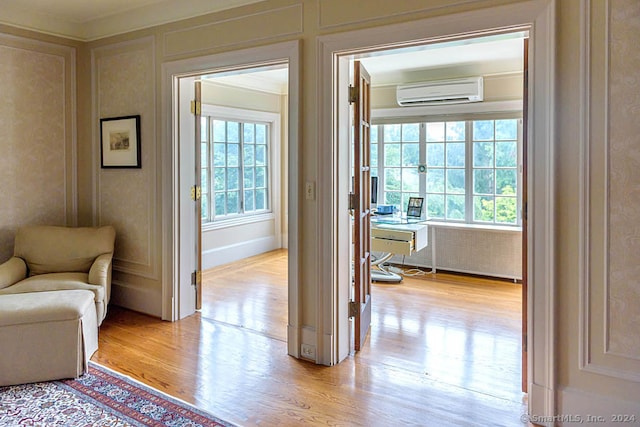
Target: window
pixel 471 168
pixel 236 164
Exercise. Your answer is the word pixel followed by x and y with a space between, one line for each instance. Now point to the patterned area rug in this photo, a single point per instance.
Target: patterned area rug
pixel 101 397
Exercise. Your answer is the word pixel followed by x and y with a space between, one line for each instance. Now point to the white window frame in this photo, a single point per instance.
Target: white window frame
pixel 468 220
pixel 273 168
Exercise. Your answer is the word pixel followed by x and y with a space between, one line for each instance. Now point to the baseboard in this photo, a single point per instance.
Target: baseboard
pixel 226 254
pixel 578 406
pixel 137 299
pixel 541 405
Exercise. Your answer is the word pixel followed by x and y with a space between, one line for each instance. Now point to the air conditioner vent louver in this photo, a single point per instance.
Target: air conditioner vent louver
pixel 453 91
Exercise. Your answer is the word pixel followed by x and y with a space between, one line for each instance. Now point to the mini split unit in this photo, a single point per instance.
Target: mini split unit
pixel 453 91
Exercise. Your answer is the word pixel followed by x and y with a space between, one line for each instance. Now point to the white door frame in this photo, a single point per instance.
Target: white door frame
pixel 172 72
pixel 538 16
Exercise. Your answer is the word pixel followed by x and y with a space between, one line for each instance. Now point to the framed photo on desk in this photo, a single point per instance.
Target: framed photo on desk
pixel 414 207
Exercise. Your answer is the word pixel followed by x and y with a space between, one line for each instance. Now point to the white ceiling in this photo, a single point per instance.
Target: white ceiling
pixel 93 19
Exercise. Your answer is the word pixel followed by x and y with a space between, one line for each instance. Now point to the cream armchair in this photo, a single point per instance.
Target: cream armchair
pixel 50 258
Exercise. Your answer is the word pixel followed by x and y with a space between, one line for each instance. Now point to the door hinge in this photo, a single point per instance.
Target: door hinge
pixel 352 201
pixel 196 193
pixel 196 107
pixel 196 277
pixel 523 212
pixel 524 343
pixel 353 94
pixel 354 309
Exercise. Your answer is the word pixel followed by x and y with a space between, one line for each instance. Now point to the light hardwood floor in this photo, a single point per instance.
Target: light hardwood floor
pixel 444 350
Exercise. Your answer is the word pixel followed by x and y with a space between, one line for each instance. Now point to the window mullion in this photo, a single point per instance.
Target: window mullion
pixel 468 167
pixel 422 188
pixel 241 168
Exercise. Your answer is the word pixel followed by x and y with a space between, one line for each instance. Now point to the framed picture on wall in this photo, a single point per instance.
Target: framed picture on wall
pixel 120 142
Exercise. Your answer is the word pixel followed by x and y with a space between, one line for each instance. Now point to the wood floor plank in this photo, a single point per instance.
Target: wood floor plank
pixel 444 350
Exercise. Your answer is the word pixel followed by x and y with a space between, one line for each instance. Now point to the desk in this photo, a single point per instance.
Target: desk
pixel 395 236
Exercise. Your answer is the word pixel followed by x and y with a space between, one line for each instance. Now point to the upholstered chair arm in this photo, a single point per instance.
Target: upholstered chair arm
pixel 12 271
pixel 100 274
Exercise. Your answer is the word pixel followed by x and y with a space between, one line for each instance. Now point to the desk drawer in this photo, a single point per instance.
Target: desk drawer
pixel 393 246
pixel 386 233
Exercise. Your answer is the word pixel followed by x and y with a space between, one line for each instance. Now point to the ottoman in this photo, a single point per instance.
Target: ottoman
pixel 46 335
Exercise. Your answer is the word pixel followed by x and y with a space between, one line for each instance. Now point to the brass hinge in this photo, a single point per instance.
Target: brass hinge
pixel 524 343
pixel 196 107
pixel 196 193
pixel 353 94
pixel 196 277
pixel 523 213
pixel 354 309
pixel 352 201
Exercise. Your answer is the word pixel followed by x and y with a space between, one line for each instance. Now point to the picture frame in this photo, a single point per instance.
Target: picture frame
pixel 414 207
pixel 120 142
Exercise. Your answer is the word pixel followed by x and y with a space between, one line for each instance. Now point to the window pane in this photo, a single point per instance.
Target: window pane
pixel 392 198
pixel 204 155
pixel 506 154
pixel 483 130
pixel 233 154
pixel 204 200
pixel 391 154
pixel 507 129
pixel 435 206
pixel 392 133
pixel 249 155
pixel 455 155
pixel 219 133
pixel 261 155
pixel 483 181
pixel 455 207
pixel 392 179
pixel 483 208
pixel 233 202
pixel 411 132
pixel 247 182
pixel 374 134
pixel 506 181
pixel 435 180
pixel 435 154
pixel 249 204
pixel 219 179
pixel 220 203
pixel 435 132
pixel 410 180
pixel 483 154
pixel 455 181
pixel 232 179
pixel 249 133
pixel 233 132
pixel 261 134
pixel 410 154
pixel 204 180
pixel 374 157
pixel 456 131
pixel 261 177
pixel 506 210
pixel 203 129
pixel 261 199
pixel 219 154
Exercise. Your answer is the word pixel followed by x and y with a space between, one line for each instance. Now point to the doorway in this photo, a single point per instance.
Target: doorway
pixel 470 154
pixel 181 294
pixel 537 17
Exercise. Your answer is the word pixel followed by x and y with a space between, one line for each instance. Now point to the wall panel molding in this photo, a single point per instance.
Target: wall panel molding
pixel 123 83
pixel 38 165
pixel 223 33
pixel 610 312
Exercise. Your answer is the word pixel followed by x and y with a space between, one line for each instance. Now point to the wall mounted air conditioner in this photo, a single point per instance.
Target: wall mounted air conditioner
pixel 453 91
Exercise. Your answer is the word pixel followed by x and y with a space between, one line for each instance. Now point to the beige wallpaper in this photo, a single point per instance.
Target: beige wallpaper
pixel 34 144
pixel 124 86
pixel 624 179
